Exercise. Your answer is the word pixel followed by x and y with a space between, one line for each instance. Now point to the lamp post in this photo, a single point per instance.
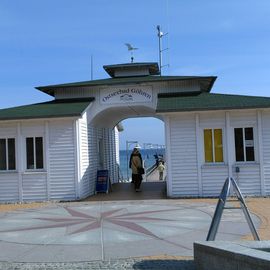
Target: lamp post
pixel 128 143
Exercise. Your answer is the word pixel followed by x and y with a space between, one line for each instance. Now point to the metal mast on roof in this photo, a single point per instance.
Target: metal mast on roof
pixel 91 67
pixel 160 50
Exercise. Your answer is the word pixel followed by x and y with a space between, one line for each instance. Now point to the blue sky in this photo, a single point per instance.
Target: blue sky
pixel 50 42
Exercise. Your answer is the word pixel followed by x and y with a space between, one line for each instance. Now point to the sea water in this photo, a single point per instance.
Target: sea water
pixel 148 156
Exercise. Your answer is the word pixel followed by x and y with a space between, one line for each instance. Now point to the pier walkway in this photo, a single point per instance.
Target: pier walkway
pixel 154 176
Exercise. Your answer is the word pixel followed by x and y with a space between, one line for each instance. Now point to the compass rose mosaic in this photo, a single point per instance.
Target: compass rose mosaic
pixel 80 231
pixel 86 223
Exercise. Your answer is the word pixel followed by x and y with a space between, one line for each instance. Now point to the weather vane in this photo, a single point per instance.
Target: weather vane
pixel 131 49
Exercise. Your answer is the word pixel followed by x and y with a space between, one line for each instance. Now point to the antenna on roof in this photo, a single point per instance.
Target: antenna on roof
pixel 91 67
pixel 131 49
pixel 160 50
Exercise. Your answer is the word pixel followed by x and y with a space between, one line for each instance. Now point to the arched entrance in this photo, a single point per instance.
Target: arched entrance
pixel 109 120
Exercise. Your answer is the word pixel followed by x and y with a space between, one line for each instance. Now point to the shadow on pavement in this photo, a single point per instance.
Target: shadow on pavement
pixel 165 265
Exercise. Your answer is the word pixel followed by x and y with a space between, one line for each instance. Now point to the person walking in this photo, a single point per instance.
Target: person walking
pixel 136 165
pixel 161 169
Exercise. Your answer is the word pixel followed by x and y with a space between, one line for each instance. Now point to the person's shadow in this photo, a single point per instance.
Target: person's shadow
pixel 165 264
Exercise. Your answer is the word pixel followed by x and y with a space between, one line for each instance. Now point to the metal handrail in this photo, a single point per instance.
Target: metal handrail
pixel 149 170
pixel 230 182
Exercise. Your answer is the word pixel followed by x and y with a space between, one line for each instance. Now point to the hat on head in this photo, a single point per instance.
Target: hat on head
pixel 137 146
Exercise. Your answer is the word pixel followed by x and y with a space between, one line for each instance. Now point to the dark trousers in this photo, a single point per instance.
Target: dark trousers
pixel 137 179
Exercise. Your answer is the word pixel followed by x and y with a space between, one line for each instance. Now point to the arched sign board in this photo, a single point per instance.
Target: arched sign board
pixel 127 94
pixel 103 181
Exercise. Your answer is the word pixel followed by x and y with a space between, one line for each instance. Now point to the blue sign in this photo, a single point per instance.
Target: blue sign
pixel 102 184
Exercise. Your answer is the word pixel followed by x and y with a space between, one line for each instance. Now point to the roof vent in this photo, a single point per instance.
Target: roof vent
pixel 132 70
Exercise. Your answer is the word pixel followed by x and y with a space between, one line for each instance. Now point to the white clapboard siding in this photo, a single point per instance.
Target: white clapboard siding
pixel 212 120
pixel 110 163
pixel 108 151
pixel 248 179
pixel 117 145
pixel 115 154
pixel 33 128
pixel 34 187
pixel 93 157
pixel 183 156
pixel 62 160
pixel 106 148
pixel 213 178
pixel 8 130
pixel 9 188
pixel 114 167
pixel 266 149
pixel 243 118
pixel 84 159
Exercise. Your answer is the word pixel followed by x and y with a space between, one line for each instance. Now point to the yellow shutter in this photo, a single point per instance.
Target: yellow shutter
pixel 218 145
pixel 208 147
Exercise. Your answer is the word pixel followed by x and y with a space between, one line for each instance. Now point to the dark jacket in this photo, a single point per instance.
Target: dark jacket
pixel 135 162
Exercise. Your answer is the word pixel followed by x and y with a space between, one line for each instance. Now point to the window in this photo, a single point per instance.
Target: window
pixel 244 144
pixel 7 154
pixel 34 153
pixel 213 147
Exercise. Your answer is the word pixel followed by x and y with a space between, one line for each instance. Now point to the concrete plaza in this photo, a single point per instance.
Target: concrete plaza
pixel 111 231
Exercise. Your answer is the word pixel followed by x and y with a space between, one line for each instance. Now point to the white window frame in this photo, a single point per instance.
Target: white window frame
pixel 7 161
pixel 244 144
pixel 34 150
pixel 213 146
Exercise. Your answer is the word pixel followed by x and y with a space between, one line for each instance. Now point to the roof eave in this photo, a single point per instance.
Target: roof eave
pixel 50 89
pixel 213 109
pixel 213 79
pixel 41 117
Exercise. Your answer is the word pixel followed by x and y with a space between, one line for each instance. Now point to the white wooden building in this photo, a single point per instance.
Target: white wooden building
pixel 52 150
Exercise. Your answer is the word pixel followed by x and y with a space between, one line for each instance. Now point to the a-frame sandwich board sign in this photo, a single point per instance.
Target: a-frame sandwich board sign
pixel 225 193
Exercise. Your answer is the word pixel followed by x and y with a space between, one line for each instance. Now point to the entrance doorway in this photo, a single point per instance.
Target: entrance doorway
pixel 148 134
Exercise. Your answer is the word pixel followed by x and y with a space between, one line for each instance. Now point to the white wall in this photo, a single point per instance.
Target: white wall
pixel 34 186
pixel 57 181
pixel 266 149
pixel 191 176
pixel 184 180
pixel 110 154
pixel 62 160
pixel 9 187
pixel 93 137
pixel 117 151
pixel 84 162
